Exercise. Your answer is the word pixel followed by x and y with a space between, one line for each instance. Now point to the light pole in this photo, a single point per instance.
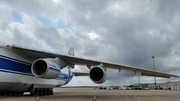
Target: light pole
pixel 154 69
pixel 139 77
pixel 132 82
pixel 129 80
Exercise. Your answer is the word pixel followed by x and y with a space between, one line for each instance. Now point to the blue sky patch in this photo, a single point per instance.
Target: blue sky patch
pixel 62 24
pixel 16 16
pixel 44 20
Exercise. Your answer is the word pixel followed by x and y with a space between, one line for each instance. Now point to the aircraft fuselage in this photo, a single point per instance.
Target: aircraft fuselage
pixel 16 75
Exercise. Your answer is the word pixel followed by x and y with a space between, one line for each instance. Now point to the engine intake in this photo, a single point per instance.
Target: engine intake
pixel 45 68
pixel 97 75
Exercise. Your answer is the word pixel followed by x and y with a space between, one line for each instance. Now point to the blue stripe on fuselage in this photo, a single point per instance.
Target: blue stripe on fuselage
pixel 63 76
pixel 8 58
pixel 11 65
pixel 69 75
pixel 53 69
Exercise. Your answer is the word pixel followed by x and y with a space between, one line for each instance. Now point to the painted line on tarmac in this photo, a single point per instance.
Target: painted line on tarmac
pixel 131 97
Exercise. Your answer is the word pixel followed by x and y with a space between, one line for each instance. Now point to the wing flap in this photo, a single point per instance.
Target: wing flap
pixel 157 75
pixel 36 54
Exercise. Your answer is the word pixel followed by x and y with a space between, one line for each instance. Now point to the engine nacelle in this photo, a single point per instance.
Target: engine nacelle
pixel 97 75
pixel 45 68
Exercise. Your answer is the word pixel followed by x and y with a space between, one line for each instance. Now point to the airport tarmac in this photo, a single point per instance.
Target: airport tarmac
pixel 87 94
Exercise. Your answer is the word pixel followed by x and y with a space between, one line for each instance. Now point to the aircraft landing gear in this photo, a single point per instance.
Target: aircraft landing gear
pixel 51 92
pixel 41 92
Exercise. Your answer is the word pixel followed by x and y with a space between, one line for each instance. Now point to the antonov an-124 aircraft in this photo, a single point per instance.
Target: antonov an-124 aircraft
pixel 38 72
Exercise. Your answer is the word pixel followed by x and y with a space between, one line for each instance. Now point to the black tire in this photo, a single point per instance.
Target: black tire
pixel 8 94
pixel 20 93
pixel 36 92
pixel 13 93
pixel 48 91
pixel 31 93
pixel 44 92
pixel 41 92
pixel 51 92
pixel 2 94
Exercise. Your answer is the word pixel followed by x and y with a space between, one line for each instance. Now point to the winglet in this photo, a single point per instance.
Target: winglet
pixel 71 51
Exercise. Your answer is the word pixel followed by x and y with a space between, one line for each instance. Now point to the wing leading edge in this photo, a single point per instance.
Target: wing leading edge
pixel 36 54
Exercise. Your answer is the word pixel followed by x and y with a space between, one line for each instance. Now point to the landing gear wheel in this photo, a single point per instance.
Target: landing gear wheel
pixel 51 92
pixel 36 92
pixel 13 94
pixel 31 93
pixel 41 92
pixel 48 91
pixel 2 94
pixel 44 91
pixel 20 93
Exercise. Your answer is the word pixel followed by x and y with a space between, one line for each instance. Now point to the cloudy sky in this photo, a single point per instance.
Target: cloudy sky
pixel 120 31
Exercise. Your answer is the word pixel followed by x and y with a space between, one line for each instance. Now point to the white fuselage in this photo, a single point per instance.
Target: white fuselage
pixel 16 75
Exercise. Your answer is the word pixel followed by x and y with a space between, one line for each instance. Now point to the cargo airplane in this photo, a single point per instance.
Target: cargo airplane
pixel 38 72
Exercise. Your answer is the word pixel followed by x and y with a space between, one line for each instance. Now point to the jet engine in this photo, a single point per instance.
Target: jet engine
pixel 97 74
pixel 45 68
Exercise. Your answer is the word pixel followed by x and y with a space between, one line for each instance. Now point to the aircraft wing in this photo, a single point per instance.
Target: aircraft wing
pixel 32 54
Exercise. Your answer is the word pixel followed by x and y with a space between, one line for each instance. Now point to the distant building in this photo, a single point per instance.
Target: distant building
pixel 110 87
pixel 166 86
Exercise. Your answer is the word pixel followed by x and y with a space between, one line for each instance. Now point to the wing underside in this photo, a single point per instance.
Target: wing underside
pixel 36 54
pixel 80 74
